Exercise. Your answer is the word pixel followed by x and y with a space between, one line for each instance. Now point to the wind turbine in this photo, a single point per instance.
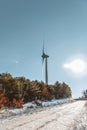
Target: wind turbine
pixel 44 58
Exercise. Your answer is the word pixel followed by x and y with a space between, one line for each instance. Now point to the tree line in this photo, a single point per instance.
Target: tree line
pixel 15 91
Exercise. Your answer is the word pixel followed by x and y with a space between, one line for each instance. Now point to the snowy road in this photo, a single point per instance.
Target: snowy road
pixel 69 116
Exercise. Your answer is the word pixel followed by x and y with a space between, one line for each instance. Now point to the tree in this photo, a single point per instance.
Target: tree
pixel 62 90
pixel 85 93
pixel 4 101
pixel 66 90
pixel 21 88
pixel 8 85
pixel 46 94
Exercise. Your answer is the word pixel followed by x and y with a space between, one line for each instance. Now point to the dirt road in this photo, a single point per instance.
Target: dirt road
pixel 70 116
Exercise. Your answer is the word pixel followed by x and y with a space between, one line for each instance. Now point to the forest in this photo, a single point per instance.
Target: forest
pixel 15 91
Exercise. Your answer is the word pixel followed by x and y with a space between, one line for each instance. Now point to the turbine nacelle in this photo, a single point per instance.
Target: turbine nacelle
pixel 44 56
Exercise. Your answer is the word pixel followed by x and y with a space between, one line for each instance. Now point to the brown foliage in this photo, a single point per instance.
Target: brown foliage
pixel 46 94
pixel 3 100
pixel 19 103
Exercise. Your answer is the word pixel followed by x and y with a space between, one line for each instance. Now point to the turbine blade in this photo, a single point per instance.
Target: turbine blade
pixel 43 48
pixel 43 53
pixel 42 60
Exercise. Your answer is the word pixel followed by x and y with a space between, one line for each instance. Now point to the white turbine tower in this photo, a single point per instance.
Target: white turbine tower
pixel 44 59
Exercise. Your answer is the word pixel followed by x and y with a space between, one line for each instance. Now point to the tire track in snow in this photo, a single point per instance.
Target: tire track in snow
pixel 46 124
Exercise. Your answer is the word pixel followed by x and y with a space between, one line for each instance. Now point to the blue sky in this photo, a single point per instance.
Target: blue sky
pixel 62 24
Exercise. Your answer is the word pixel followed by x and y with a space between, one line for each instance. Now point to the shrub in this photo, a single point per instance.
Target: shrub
pixel 18 104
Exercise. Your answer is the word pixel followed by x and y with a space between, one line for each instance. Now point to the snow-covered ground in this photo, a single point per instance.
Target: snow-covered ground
pixel 43 104
pixel 69 116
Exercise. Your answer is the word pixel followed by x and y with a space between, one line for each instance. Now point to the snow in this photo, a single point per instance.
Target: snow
pixel 44 104
pixel 68 116
pixel 25 107
pixel 55 102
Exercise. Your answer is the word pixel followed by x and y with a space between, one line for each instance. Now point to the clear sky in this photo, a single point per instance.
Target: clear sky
pixel 62 24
